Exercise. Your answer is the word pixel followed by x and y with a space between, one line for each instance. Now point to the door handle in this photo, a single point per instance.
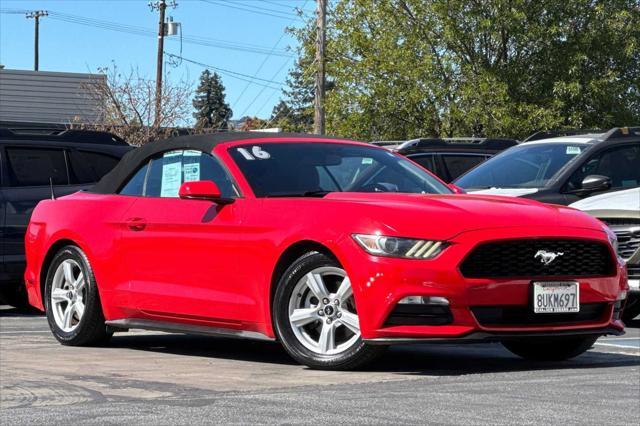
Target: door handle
pixel 136 223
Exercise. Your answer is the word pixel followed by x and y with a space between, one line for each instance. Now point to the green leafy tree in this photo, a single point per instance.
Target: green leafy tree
pixel 410 68
pixel 212 110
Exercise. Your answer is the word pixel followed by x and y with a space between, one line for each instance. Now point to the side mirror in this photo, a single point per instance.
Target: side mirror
pixel 456 189
pixel 202 190
pixel 593 183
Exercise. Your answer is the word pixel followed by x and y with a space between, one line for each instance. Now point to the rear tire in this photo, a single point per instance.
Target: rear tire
pixel 550 349
pixel 327 341
pixel 72 302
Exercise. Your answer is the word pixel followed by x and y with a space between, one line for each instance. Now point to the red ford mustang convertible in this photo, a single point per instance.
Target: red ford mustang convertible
pixel 336 249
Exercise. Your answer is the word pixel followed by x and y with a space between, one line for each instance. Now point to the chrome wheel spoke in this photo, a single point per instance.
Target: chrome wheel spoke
pixel 79 308
pixel 303 316
pixel 78 284
pixel 59 295
pixel 327 340
pixel 350 321
pixel 316 285
pixel 344 291
pixel 68 317
pixel 68 272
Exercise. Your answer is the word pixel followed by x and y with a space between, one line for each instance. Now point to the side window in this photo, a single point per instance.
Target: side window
pixel 457 165
pixel 163 175
pixel 425 161
pixel 135 186
pixel 34 166
pixel 621 164
pixel 89 167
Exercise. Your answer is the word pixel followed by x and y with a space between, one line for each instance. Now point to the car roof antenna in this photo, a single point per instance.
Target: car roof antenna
pixel 53 194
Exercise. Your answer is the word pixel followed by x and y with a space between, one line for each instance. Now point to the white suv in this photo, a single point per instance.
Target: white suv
pixel 621 211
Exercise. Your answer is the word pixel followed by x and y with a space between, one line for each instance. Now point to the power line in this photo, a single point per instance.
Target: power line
pixel 146 32
pixel 246 8
pixel 261 66
pixel 240 76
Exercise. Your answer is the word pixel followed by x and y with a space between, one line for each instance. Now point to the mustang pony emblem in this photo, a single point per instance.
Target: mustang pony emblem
pixel 547 257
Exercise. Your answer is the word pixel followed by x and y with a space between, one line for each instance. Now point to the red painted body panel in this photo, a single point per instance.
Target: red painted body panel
pixel 195 262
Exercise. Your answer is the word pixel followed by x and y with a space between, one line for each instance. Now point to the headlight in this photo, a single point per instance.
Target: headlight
pixel 613 238
pixel 409 248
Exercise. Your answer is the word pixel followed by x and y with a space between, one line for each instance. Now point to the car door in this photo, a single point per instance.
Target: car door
pixel 182 254
pixel 29 172
pixel 620 163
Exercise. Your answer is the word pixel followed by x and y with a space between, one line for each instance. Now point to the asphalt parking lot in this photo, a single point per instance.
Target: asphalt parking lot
pixel 157 378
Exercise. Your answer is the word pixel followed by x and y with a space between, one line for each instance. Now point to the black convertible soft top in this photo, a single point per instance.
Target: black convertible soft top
pixel 115 179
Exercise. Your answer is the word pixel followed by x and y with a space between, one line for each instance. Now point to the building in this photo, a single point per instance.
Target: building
pixel 43 99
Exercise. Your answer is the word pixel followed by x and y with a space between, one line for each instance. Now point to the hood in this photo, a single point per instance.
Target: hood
pixel 613 204
pixel 507 192
pixel 444 216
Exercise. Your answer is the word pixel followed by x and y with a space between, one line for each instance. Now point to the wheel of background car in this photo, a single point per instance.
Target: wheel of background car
pixel 72 302
pixel 631 309
pixel 550 349
pixel 316 317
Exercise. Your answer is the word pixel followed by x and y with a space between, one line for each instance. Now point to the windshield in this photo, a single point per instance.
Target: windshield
pixel 315 169
pixel 524 166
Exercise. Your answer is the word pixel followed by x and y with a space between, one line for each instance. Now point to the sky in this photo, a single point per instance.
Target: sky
pixel 244 39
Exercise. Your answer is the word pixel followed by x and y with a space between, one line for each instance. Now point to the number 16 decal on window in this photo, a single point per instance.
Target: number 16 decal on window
pixel 256 153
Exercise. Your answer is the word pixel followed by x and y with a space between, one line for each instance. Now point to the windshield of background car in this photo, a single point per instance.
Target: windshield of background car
pixel 524 166
pixel 315 169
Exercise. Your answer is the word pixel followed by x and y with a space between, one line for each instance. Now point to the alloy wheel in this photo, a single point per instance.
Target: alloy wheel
pixel 322 311
pixel 68 295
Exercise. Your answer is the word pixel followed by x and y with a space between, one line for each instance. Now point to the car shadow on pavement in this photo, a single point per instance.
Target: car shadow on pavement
pixel 424 359
pixel 10 311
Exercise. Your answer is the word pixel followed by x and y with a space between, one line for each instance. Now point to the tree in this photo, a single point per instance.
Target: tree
pixel 294 112
pixel 252 123
pixel 126 105
pixel 212 110
pixel 411 68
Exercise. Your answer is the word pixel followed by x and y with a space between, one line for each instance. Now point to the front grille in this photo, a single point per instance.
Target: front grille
pixel 523 316
pixel 418 314
pixel 628 232
pixel 633 271
pixel 524 259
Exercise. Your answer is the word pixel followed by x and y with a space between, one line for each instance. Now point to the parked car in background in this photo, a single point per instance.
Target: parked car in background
pixel 353 249
pixel 450 158
pixel 621 212
pixel 561 170
pixel 31 164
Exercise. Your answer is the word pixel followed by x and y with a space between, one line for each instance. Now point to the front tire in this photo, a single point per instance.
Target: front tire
pixel 72 302
pixel 551 349
pixel 315 316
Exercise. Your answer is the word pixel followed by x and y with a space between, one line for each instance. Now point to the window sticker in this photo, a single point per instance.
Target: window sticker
pixel 367 160
pixel 256 153
pixel 171 174
pixel 573 150
pixel 191 165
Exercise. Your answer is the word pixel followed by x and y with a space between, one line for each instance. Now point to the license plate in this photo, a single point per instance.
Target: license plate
pixel 555 297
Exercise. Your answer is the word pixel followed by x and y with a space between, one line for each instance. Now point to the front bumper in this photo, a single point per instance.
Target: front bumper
pixel 379 283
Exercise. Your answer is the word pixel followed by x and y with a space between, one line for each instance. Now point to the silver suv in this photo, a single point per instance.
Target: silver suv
pixel 621 211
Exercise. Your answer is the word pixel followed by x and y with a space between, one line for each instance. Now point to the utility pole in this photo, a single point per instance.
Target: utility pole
pixel 161 6
pixel 321 21
pixel 36 15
